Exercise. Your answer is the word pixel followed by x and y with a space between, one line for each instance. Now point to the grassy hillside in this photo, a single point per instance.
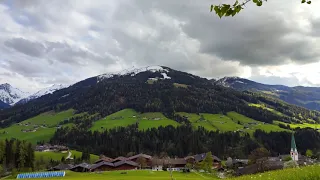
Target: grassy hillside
pixel 232 122
pixel 46 156
pixel 303 125
pixel 38 128
pixel 154 120
pixel 252 124
pixel 306 173
pixel 121 118
pixel 127 117
pixel 263 106
pixel 44 125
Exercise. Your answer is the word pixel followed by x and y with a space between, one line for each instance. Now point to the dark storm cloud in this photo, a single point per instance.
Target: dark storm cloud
pixel 265 38
pixel 25 46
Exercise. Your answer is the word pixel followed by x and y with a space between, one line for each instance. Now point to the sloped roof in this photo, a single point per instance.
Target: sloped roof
pixel 140 155
pixel 120 158
pixel 201 157
pixel 63 166
pixel 102 164
pixel 125 162
pixel 105 159
pixel 83 165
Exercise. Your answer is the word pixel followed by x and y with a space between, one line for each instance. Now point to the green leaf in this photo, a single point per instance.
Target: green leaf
pixel 224 9
pixel 229 12
pixel 211 8
pixel 217 9
pixel 303 1
pixel 236 3
pixel 309 2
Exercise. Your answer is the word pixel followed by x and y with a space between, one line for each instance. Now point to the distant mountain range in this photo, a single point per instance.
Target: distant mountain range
pixel 9 95
pixel 308 97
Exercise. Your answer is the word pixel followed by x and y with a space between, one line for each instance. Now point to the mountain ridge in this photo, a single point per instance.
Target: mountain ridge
pixel 10 95
pixel 308 97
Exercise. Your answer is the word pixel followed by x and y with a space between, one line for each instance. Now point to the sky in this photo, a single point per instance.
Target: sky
pixel 64 41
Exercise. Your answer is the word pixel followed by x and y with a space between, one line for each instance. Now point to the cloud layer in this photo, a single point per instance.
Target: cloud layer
pixel 45 42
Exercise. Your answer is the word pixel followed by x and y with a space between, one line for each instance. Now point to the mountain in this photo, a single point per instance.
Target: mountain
pixel 308 97
pixel 10 95
pixel 42 92
pixel 4 105
pixel 155 89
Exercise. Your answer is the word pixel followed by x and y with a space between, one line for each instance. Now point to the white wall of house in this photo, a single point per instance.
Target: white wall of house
pixel 157 168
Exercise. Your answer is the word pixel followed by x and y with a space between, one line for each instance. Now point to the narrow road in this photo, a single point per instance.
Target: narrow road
pixel 69 155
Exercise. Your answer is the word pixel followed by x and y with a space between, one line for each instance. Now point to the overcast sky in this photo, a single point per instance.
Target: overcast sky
pixel 63 41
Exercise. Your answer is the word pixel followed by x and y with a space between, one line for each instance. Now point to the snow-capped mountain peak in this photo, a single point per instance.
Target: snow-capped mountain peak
pixel 11 95
pixel 42 92
pixel 134 71
pixel 48 90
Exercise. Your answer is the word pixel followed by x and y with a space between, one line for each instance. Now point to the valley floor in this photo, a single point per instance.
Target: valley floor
pixel 306 173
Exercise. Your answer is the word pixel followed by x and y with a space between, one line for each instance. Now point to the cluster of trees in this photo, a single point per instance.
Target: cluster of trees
pixel 183 141
pixel 180 141
pixel 279 142
pixel 16 154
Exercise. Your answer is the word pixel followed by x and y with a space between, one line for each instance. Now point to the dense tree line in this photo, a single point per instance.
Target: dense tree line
pixel 279 142
pixel 180 141
pixel 16 154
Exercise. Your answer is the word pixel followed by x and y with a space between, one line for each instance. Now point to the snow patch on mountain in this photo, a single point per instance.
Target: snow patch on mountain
pixel 42 92
pixel 165 76
pixel 134 71
pixel 11 95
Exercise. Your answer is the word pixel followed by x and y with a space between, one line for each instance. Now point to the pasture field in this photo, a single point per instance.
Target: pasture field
pixel 40 128
pixel 231 122
pixel 154 120
pixel 266 108
pixel 303 125
pixel 197 122
pixel 303 173
pixel 56 156
pixel 134 175
pixel 128 117
pixel 121 118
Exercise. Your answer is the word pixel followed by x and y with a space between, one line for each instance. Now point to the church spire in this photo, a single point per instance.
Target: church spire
pixel 293 143
pixel 294 151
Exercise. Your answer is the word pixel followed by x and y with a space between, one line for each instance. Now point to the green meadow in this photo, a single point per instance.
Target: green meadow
pixel 41 132
pixel 57 156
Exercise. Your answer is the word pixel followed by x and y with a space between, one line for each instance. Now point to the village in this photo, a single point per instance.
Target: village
pixel 185 164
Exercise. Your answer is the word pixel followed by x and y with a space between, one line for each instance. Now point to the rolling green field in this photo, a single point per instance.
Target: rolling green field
pixel 134 175
pixel 154 120
pixel 127 117
pixel 230 122
pixel 56 156
pixel 303 125
pixel 254 124
pixel 304 173
pixel 41 133
pixel 266 108
pixel 121 118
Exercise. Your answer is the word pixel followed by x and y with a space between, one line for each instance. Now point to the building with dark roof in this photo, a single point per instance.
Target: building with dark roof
pixel 61 167
pixel 120 158
pixel 102 166
pixel 83 167
pixel 125 165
